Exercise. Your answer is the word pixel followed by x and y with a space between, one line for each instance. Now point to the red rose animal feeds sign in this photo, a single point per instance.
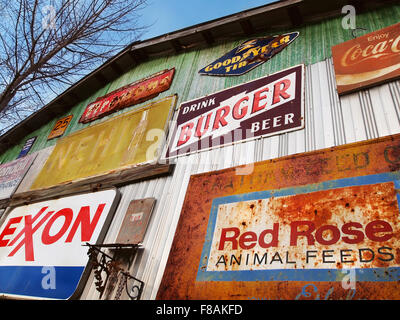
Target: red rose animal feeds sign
pixel 41 244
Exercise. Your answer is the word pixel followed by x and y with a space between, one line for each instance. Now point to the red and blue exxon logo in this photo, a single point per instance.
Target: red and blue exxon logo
pixel 41 244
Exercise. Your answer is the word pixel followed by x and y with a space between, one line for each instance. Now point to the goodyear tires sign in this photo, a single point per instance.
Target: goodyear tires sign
pixel 249 55
pixel 109 146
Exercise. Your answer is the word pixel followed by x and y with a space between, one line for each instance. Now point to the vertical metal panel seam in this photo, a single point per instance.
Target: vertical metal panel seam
pixel 160 242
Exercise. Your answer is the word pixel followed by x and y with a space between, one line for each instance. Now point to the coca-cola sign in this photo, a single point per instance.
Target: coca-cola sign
pixel 368 60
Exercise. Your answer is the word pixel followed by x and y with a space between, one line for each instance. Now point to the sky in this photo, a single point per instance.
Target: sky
pixel 165 16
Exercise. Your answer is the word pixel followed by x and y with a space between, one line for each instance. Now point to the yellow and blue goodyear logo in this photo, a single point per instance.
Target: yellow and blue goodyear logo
pixel 249 55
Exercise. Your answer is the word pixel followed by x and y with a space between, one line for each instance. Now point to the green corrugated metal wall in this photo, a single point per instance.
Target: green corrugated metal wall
pixel 313 45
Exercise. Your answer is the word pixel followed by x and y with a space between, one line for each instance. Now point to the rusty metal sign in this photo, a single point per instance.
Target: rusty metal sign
pixel 12 173
pixel 266 106
pixel 248 55
pixel 60 127
pixel 130 139
pixel 134 93
pixel 318 225
pixel 367 60
pixel 135 222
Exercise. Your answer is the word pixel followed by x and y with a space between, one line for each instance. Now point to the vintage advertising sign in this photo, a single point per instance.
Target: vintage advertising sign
pixel 41 244
pixel 27 147
pixel 269 105
pixel 129 95
pixel 135 222
pixel 12 173
pixel 60 127
pixel 127 140
pixel 318 225
pixel 368 60
pixel 249 55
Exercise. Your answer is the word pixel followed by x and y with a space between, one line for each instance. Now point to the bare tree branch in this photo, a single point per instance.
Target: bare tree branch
pixel 45 46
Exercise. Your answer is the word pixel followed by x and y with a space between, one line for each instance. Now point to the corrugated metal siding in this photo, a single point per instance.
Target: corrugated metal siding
pixel 330 121
pixel 313 45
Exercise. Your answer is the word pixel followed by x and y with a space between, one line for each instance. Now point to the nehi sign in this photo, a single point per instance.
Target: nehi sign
pixel 41 244
pixel 249 55
pixel 120 142
pixel 12 173
pixel 129 95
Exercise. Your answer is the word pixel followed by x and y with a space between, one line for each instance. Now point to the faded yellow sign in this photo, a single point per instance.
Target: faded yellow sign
pixel 123 141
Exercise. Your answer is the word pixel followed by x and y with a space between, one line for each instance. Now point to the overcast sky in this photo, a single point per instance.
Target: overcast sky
pixel 166 16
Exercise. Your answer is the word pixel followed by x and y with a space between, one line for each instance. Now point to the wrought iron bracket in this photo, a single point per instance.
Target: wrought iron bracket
pixel 101 262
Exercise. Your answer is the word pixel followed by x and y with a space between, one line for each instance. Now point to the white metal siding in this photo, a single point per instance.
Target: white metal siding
pixel 330 121
pixel 34 170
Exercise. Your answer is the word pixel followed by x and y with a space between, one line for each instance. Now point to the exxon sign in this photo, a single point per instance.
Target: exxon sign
pixel 41 244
